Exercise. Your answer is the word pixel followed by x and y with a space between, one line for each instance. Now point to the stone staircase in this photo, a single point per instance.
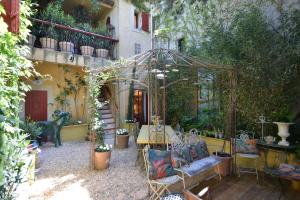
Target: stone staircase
pixel 109 124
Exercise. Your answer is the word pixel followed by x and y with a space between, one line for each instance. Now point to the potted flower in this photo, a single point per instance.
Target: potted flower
pixel 102 151
pixel 86 41
pixel 122 138
pixel 102 156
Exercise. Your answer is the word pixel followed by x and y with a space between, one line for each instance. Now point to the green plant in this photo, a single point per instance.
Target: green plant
pixel 31 129
pixel 100 43
pixel 70 88
pixel 84 39
pixel 14 69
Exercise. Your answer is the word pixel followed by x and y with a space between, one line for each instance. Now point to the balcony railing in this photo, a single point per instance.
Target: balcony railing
pixel 68 39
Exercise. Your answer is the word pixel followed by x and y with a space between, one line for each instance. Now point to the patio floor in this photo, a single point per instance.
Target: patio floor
pixel 65 174
pixel 246 188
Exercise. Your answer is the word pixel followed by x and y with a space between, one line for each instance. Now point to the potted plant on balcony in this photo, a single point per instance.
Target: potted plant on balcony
pixel 85 41
pixel 122 138
pixel 66 37
pixel 101 45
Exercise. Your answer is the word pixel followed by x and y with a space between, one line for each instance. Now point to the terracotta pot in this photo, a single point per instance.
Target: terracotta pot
pixel 122 141
pixel 225 165
pixel 102 160
pixel 102 53
pixel 48 43
pixel 66 46
pixel 87 50
pixel 31 40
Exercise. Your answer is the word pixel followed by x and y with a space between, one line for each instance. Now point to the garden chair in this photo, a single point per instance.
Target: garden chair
pixel 244 147
pixel 158 186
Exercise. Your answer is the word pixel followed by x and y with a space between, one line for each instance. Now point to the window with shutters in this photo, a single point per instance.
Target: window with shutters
pixel 140 21
pixel 12 18
pixel 145 22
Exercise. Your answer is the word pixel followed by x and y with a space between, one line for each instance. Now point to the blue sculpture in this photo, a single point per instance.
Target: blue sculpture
pixel 53 128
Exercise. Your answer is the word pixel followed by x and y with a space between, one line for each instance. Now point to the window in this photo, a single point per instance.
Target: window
pixel 136 20
pixel 137 48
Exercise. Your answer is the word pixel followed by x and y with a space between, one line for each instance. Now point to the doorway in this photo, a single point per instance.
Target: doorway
pixel 36 105
pixel 140 107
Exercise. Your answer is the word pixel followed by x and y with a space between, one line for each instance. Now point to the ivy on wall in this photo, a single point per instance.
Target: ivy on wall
pixel 12 90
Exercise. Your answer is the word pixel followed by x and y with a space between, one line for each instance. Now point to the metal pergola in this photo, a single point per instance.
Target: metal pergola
pixel 152 69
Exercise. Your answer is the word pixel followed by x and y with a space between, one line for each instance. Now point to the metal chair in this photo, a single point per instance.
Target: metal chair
pixel 244 137
pixel 158 186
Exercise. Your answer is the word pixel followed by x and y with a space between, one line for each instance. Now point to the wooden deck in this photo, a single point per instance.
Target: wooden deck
pixel 246 188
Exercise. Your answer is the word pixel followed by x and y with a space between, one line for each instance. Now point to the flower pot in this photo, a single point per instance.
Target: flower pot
pixel 31 40
pixel 122 141
pixel 48 43
pixel 102 160
pixel 283 132
pixel 66 46
pixel 225 166
pixel 102 53
pixel 87 50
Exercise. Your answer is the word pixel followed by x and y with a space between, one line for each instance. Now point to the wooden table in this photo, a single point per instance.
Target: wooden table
pixel 156 136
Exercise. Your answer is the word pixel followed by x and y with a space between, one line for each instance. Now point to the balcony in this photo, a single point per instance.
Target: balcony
pixel 67 45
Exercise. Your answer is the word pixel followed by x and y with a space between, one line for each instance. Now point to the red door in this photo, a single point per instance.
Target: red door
pixel 36 105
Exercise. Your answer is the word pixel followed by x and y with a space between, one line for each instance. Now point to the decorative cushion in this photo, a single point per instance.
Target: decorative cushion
pixel 185 154
pixel 248 146
pixel 160 164
pixel 194 152
pixel 202 149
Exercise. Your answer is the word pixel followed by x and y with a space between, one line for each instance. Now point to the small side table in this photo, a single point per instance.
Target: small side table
pixel 284 150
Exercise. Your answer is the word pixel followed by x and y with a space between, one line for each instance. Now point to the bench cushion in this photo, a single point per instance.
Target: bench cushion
pixel 198 166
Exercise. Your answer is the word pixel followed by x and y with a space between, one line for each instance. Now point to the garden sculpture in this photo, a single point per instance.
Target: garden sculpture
pixel 53 128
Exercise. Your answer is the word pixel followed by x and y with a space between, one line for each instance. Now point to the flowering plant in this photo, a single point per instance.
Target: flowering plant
pixel 103 148
pixel 122 131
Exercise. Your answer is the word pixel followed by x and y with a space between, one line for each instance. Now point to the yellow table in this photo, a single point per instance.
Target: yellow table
pixel 156 137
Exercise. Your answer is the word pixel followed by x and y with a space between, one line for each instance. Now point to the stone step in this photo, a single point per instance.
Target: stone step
pixel 106 107
pixel 109 126
pixel 108 120
pixel 110 131
pixel 105 116
pixel 105 112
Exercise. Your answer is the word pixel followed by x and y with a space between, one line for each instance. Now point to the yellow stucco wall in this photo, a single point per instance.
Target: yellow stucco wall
pixel 51 86
pixel 214 144
pixel 74 133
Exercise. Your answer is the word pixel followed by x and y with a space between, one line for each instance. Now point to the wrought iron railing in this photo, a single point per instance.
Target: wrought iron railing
pixel 68 39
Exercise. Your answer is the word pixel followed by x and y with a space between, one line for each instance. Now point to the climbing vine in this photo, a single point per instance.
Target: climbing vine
pixel 14 68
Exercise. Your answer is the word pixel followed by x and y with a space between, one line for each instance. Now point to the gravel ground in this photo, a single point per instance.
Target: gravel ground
pixel 65 174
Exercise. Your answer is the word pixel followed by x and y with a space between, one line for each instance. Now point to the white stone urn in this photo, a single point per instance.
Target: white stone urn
pixel 66 46
pixel 283 132
pixel 48 43
pixel 87 50
pixel 102 53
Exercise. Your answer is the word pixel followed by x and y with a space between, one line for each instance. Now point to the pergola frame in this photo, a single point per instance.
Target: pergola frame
pixel 163 60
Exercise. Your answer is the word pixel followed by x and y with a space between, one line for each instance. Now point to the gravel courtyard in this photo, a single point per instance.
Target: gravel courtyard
pixel 65 174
